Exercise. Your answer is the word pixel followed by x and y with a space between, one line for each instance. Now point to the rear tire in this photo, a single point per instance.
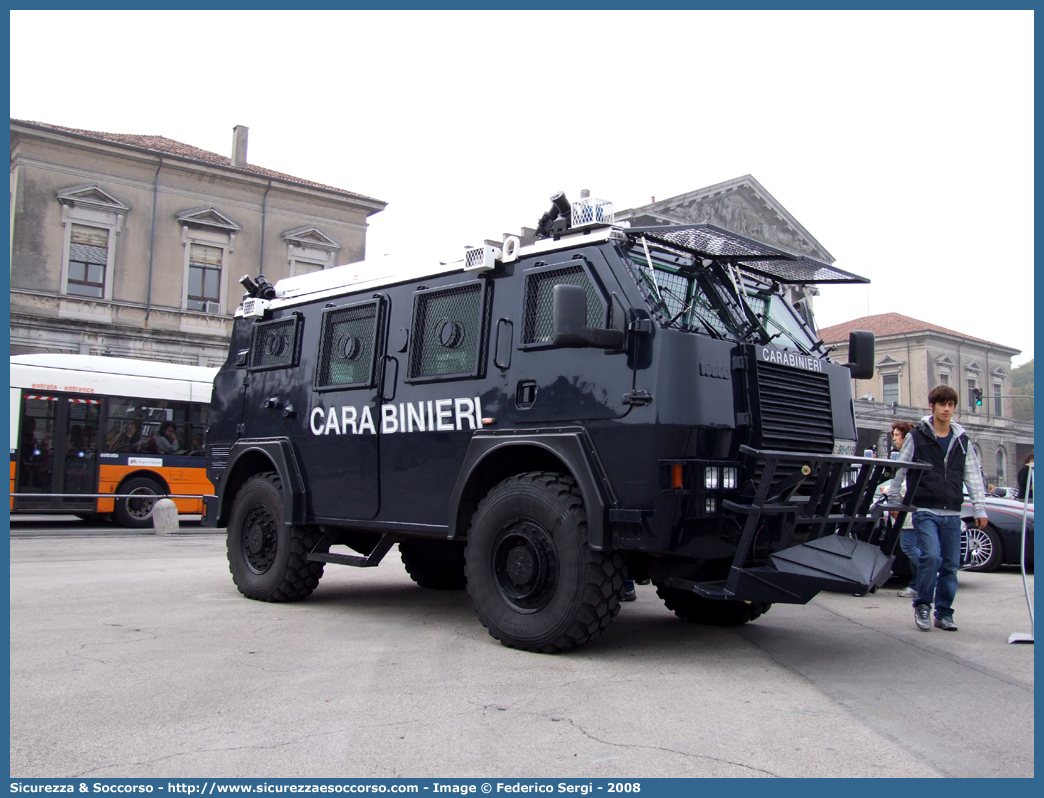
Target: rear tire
pixel 534 581
pixel 985 548
pixel 137 513
pixel 267 558
pixel 437 565
pixel 696 609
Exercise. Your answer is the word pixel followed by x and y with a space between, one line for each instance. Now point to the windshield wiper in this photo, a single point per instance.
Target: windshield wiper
pixel 652 269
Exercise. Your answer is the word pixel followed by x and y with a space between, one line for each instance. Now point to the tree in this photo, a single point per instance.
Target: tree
pixel 1022 383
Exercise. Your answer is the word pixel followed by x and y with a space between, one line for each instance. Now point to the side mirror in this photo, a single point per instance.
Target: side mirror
pixel 569 317
pixel 861 354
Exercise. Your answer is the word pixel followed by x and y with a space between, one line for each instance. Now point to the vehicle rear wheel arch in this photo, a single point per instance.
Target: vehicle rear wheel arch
pixel 144 473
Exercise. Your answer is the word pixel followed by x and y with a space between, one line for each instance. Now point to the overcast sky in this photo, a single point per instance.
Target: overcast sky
pixel 902 141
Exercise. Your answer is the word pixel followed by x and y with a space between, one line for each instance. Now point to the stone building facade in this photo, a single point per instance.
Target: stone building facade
pixel 741 205
pixel 913 356
pixel 134 245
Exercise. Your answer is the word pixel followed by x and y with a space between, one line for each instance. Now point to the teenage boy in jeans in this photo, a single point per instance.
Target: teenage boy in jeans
pixel 937 520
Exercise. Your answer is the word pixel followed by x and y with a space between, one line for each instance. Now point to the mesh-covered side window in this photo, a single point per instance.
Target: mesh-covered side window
pixel 537 326
pixel 274 344
pixel 347 346
pixel 447 332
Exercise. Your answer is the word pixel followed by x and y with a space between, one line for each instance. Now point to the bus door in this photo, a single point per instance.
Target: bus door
pixel 57 452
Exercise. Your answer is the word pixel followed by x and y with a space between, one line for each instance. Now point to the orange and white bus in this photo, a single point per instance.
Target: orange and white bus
pixel 83 425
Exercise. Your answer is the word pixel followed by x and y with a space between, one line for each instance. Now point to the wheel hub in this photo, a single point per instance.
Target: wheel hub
pixel 255 539
pixel 141 508
pixel 525 565
pixel 520 566
pixel 980 546
pixel 259 539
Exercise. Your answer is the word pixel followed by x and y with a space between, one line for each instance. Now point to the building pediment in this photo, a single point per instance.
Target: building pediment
pixel 944 361
pixel 741 205
pixel 312 237
pixel 999 371
pixel 973 366
pixel 209 216
pixel 92 195
pixel 889 362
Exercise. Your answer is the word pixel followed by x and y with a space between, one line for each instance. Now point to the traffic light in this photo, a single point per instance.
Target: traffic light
pixel 977 395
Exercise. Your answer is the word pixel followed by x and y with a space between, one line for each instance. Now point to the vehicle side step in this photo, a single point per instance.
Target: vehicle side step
pixel 356 560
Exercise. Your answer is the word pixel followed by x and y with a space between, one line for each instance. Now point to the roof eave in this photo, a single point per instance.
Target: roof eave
pixel 954 336
pixel 376 204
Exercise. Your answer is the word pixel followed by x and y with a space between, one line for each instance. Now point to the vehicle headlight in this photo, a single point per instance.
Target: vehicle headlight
pixel 710 477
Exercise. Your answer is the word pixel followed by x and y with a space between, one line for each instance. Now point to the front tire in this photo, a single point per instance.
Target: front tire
pixel 136 513
pixel 697 609
pixel 534 581
pixel 984 548
pixel 268 558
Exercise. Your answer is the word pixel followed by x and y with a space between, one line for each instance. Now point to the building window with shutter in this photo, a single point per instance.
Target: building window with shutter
pixel 889 388
pixel 1001 457
pixel 971 396
pixel 998 404
pixel 92 218
pixel 204 278
pixel 88 259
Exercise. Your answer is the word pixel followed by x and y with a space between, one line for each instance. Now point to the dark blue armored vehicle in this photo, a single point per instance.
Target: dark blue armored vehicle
pixel 538 422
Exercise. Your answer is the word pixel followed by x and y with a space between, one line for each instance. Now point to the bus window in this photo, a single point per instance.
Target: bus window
pixel 124 433
pixel 36 448
pixel 81 453
pixel 197 429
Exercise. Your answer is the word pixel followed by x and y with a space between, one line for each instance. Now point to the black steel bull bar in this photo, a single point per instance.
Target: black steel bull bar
pixel 838 548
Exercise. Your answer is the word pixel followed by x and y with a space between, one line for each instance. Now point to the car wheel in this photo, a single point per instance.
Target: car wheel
pixel 136 512
pixel 534 581
pixel 984 548
pixel 268 558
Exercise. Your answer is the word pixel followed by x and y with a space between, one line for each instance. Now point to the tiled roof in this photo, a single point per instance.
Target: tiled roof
pixel 165 146
pixel 883 324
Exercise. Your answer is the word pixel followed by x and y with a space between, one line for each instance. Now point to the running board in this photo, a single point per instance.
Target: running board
pixel 369 561
pixel 797 574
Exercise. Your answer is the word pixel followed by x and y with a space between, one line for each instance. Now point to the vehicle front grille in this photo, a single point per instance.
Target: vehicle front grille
pixel 219 456
pixel 795 409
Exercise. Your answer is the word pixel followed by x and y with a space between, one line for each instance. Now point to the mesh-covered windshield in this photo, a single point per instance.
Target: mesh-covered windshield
pixel 681 298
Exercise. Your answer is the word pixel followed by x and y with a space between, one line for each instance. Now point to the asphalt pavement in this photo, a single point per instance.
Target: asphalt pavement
pixel 133 655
